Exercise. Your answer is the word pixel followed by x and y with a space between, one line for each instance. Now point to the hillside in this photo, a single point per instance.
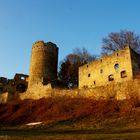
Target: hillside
pixel 65 112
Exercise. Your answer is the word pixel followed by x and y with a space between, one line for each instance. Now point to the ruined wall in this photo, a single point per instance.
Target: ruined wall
pixel 135 62
pixel 37 91
pixel 44 59
pixel 111 76
pixel 115 67
pixel 120 91
pixel 3 97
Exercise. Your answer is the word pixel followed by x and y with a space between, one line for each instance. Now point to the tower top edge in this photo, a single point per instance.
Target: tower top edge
pixel 44 44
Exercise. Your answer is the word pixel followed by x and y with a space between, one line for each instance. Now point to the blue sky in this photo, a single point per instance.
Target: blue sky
pixel 68 23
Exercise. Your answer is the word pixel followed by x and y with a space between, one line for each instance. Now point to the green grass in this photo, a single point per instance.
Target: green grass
pixel 92 134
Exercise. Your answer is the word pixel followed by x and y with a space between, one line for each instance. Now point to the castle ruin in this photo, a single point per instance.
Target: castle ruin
pixel 111 76
pixel 121 66
pixel 44 62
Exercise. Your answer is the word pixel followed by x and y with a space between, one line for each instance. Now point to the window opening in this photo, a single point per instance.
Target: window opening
pixel 22 78
pixel 89 75
pixel 110 77
pixel 85 86
pixel 116 66
pixel 123 74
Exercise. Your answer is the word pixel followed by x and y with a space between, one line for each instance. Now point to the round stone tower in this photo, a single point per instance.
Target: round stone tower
pixel 43 65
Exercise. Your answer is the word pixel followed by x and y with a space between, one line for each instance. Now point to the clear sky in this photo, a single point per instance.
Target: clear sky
pixel 68 23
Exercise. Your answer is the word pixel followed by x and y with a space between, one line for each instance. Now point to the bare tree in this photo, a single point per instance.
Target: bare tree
pixel 119 40
pixel 84 55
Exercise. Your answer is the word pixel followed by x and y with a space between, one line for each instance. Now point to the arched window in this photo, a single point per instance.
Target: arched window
pixel 21 87
pixel 116 66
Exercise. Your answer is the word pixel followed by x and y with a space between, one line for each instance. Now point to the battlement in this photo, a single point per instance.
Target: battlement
pixel 41 46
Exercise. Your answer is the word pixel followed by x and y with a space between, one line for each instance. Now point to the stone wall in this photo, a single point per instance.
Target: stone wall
pixel 116 67
pixel 3 97
pixel 135 62
pixel 37 91
pixel 119 91
pixel 44 60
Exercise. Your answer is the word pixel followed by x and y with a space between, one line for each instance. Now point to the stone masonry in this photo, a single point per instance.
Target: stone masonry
pixel 120 66
pixel 44 61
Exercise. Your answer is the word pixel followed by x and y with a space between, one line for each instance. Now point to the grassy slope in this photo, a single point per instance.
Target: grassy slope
pixel 72 112
pixel 73 116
